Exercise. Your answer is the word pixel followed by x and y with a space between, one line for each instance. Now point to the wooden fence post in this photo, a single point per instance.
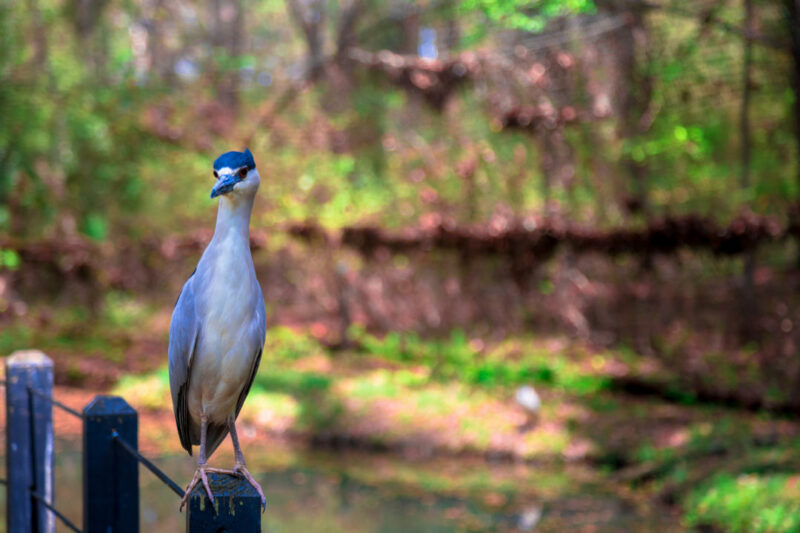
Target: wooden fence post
pixel 110 475
pixel 237 506
pixel 29 442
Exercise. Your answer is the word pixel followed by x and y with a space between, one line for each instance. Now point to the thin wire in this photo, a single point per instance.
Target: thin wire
pixel 146 462
pixel 55 511
pixel 55 402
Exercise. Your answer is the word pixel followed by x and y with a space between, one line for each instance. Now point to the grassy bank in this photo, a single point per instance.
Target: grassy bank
pixel 721 467
pixel 455 396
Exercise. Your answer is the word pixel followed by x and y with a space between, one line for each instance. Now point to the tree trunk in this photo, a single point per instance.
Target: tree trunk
pixel 39 36
pixel 311 21
pixel 792 8
pixel 161 65
pixel 634 94
pixel 748 299
pixel 744 116
pixel 227 30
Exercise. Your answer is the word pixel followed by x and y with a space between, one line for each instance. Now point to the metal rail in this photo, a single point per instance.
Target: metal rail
pixel 55 511
pixel 148 464
pixel 35 495
pixel 55 402
pixel 110 477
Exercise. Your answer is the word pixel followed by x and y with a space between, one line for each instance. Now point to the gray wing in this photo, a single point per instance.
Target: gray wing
pixel 259 332
pixel 256 334
pixel 183 333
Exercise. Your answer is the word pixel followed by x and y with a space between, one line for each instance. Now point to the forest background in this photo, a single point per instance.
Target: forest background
pixel 459 200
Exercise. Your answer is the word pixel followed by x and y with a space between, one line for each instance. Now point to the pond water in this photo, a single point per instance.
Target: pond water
pixel 331 491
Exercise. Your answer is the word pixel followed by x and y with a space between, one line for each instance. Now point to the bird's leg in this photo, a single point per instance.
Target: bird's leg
pixel 239 468
pixel 202 466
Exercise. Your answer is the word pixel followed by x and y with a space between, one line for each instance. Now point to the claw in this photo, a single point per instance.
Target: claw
pixel 241 470
pixel 199 476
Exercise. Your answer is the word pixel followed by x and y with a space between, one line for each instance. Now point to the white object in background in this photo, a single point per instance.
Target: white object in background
pixel 527 397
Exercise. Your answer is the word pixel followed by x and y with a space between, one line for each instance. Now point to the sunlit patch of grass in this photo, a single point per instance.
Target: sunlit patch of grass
pixel 146 391
pixel 123 311
pixel 287 344
pixel 270 409
pixel 746 503
pixel 475 431
pixel 317 408
pixel 263 407
pixel 510 363
pixel 433 402
pixel 454 416
pixel 376 385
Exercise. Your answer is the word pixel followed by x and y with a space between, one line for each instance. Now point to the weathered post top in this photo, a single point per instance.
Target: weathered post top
pixel 108 406
pixel 29 358
pixel 236 507
pixel 110 476
pixel 29 441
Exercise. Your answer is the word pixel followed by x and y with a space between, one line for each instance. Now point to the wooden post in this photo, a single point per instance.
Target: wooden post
pixel 236 507
pixel 110 475
pixel 29 442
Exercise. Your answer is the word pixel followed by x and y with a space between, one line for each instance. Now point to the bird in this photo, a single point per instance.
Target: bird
pixel 218 327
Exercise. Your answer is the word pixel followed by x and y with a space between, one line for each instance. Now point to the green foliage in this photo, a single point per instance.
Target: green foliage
pixel 292 381
pixel 456 358
pixel 17 337
pixel 9 259
pixel 746 504
pixel 526 15
pixel 123 311
pixel 75 331
pixel 77 149
pixel 284 344
pixel 317 407
pixel 71 139
pixel 149 391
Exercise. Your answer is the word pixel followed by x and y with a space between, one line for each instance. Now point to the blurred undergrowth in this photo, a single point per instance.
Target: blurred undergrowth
pixel 513 362
pixel 746 503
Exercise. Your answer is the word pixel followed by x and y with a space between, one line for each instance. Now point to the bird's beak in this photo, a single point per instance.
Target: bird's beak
pixel 225 184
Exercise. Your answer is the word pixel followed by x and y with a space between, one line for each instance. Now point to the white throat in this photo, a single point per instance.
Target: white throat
pixel 233 216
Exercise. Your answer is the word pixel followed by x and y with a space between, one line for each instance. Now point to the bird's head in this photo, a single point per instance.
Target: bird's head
pixel 236 174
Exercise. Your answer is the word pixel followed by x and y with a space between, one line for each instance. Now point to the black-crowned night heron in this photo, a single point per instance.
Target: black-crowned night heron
pixel 218 327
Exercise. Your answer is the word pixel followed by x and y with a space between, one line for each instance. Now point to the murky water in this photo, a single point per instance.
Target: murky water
pixel 326 491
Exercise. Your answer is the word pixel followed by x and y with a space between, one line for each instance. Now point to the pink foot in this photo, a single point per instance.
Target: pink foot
pixel 199 476
pixel 241 471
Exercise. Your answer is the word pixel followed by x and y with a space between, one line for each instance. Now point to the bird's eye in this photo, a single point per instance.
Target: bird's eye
pixel 243 172
pixel 216 175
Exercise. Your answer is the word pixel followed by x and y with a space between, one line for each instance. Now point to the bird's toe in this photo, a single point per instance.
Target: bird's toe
pixel 199 477
pixel 241 470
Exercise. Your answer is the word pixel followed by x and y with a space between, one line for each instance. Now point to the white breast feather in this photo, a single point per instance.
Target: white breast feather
pixel 226 351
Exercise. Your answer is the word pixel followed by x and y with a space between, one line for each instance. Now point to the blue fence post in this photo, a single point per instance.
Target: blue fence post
pixel 236 507
pixel 29 442
pixel 110 475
